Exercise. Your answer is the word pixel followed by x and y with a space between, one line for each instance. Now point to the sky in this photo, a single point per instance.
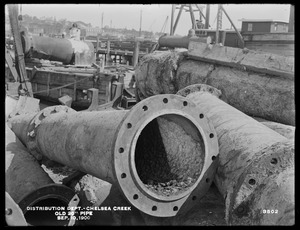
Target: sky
pixel 153 15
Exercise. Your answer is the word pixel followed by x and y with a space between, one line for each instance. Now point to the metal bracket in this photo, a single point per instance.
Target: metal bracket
pixel 72 206
pixel 13 214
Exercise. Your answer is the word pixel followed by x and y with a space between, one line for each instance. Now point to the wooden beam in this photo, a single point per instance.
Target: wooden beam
pixel 200 11
pixel 172 19
pixel 291 19
pixel 256 61
pixel 236 30
pixel 13 18
pixel 192 17
pixel 288 37
pixel 207 16
pixel 11 65
pixel 223 37
pixel 218 24
pixel 97 47
pixel 177 19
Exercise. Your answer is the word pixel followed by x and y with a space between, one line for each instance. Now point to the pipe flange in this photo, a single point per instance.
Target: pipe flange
pixel 34 124
pixel 124 152
pixel 57 191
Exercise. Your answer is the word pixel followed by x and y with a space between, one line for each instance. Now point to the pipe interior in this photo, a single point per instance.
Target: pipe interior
pixel 169 155
pixel 46 218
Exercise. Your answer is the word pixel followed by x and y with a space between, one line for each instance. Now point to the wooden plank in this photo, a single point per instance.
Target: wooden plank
pixel 48 83
pixel 73 70
pixel 13 18
pixel 256 61
pixel 62 79
pixel 75 88
pixel 10 64
pixel 280 49
pixel 269 37
pixel 55 94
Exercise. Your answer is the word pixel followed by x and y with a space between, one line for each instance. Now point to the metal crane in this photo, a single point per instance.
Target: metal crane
pixel 164 25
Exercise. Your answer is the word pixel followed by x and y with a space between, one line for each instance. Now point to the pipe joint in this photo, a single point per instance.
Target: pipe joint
pixel 34 124
pixel 163 149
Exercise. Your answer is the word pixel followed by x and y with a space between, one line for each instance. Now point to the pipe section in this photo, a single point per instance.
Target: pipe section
pixel 256 164
pixel 178 41
pixel 57 49
pixel 23 174
pixel 157 153
pixel 29 185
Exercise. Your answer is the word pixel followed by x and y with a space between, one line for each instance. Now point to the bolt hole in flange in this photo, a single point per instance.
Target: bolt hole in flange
pixel 8 211
pixel 175 208
pixel 165 100
pixel 274 161
pixel 252 181
pixel 135 196
pixel 201 115
pixel 169 155
pixel 123 175
pixel 185 103
pixel 211 135
pixel 145 108
pixel 154 208
pixel 121 150
pixel 213 158
pixel 129 125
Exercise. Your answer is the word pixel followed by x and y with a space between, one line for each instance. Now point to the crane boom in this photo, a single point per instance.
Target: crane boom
pixel 164 25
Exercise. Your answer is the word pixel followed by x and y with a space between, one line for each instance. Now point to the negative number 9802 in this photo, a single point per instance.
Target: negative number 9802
pixel 270 211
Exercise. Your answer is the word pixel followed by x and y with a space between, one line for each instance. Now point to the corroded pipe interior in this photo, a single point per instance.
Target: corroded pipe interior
pixel 169 155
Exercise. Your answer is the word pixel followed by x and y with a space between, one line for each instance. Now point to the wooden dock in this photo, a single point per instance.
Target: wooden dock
pixel 276 43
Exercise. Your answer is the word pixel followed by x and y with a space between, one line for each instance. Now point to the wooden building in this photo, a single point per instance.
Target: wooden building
pixel 264 26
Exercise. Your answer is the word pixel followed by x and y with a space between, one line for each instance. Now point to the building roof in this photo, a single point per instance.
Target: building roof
pixel 261 20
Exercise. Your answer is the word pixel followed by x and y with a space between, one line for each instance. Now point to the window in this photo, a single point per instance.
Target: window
pixel 250 26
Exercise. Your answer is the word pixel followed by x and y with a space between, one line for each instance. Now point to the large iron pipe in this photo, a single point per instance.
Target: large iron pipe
pixel 157 153
pixel 178 41
pixel 23 173
pixel 256 164
pixel 29 185
pixel 55 49
pixel 287 131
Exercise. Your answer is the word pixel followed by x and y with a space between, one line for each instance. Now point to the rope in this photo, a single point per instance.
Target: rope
pixel 60 87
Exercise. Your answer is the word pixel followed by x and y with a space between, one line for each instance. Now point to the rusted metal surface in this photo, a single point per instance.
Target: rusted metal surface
pixel 287 131
pixel 29 185
pixel 20 181
pixel 256 171
pixel 57 49
pixel 110 145
pixel 13 214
